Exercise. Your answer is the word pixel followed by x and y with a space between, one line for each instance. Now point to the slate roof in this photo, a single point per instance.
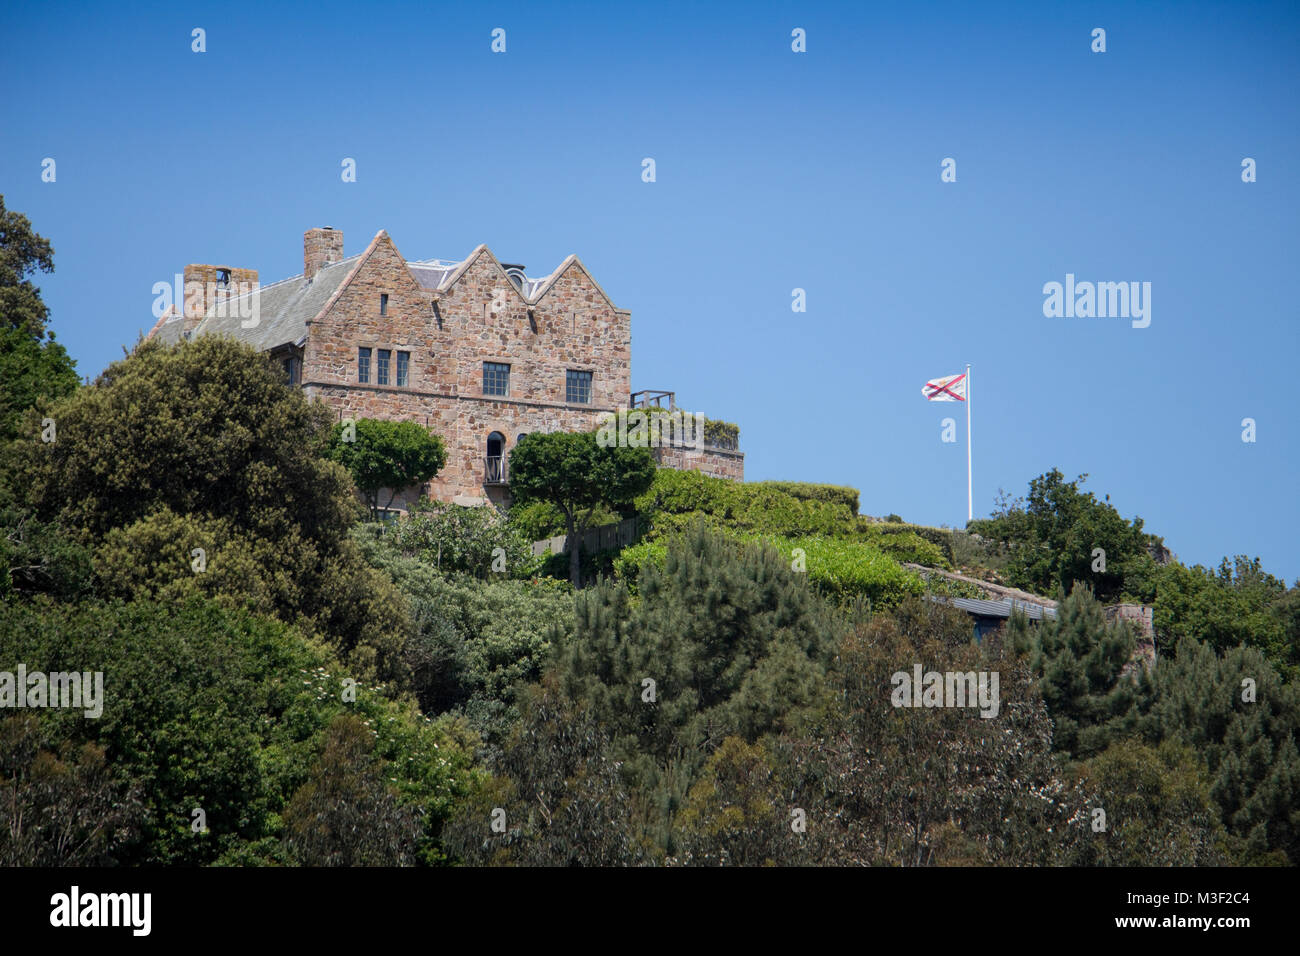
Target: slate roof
pixel 980 608
pixel 283 310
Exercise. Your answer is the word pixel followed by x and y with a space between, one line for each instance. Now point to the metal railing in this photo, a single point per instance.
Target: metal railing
pixel 495 470
pixel 652 396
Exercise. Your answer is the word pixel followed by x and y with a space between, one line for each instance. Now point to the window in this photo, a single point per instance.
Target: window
pixel 383 303
pixel 577 386
pixel 363 365
pixel 291 368
pixel 381 367
pixel 223 278
pixel 403 368
pixel 496 378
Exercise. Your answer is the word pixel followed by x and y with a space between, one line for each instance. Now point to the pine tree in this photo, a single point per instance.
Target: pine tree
pixel 1080 659
pixel 1236 711
pixel 724 640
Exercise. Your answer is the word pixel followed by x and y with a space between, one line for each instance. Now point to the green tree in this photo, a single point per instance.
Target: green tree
pixel 60 807
pixel 386 455
pixel 738 813
pixel 210 709
pixel 936 785
pixel 573 472
pixel 1158 809
pixel 1055 537
pixel 1238 604
pixel 1237 712
pixel 1080 659
pixel 564 800
pixel 23 252
pixel 193 470
pixel 346 814
pixel 40 556
pixel 733 642
pixel 32 370
pixel 33 367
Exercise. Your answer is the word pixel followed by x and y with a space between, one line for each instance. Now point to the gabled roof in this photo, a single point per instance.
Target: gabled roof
pixel 284 309
pixel 439 275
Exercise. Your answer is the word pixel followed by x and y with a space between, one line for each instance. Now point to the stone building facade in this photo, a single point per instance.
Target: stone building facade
pixel 475 350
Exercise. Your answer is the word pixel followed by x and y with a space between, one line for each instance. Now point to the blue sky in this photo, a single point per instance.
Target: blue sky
pixel 775 170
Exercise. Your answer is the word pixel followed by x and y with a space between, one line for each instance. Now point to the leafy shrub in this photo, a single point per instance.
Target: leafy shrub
pixel 383 454
pixel 474 640
pixel 628 564
pixel 676 497
pixel 904 543
pixel 841 495
pixel 932 546
pixel 209 708
pixel 475 541
pixel 845 570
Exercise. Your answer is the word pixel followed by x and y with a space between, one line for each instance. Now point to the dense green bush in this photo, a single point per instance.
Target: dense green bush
pixel 479 541
pixel 209 709
pixel 1240 604
pixel 474 640
pixel 627 565
pixel 841 495
pixel 676 498
pixel 201 446
pixel 906 543
pixel 843 570
pixel 1053 537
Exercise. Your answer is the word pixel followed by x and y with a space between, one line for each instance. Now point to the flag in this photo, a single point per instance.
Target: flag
pixel 950 388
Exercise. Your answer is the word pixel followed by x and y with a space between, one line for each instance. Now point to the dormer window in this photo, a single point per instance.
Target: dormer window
pixel 515 273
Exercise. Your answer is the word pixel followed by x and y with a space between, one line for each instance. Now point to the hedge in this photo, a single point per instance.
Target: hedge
pixel 760 507
pixel 839 568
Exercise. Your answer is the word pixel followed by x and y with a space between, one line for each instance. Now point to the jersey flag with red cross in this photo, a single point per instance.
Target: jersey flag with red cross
pixel 950 388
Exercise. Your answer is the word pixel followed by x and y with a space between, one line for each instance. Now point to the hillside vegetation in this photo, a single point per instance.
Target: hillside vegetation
pixel 286 682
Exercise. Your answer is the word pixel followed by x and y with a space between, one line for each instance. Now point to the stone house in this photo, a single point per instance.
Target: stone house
pixel 475 349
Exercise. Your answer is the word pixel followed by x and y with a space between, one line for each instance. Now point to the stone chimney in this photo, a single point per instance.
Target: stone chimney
pixel 207 286
pixel 320 247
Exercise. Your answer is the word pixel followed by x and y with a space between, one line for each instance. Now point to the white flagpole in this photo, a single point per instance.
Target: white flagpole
pixel 970 510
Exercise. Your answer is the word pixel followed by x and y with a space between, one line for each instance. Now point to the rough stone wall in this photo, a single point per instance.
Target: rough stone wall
pixel 319 248
pixel 201 290
pixel 481 317
pixel 1141 616
pixel 710 461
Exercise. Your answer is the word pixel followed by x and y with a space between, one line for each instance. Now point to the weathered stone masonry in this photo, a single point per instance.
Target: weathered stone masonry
pixel 451 318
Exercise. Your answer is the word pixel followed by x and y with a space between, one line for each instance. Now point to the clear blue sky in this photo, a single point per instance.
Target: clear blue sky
pixel 775 170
